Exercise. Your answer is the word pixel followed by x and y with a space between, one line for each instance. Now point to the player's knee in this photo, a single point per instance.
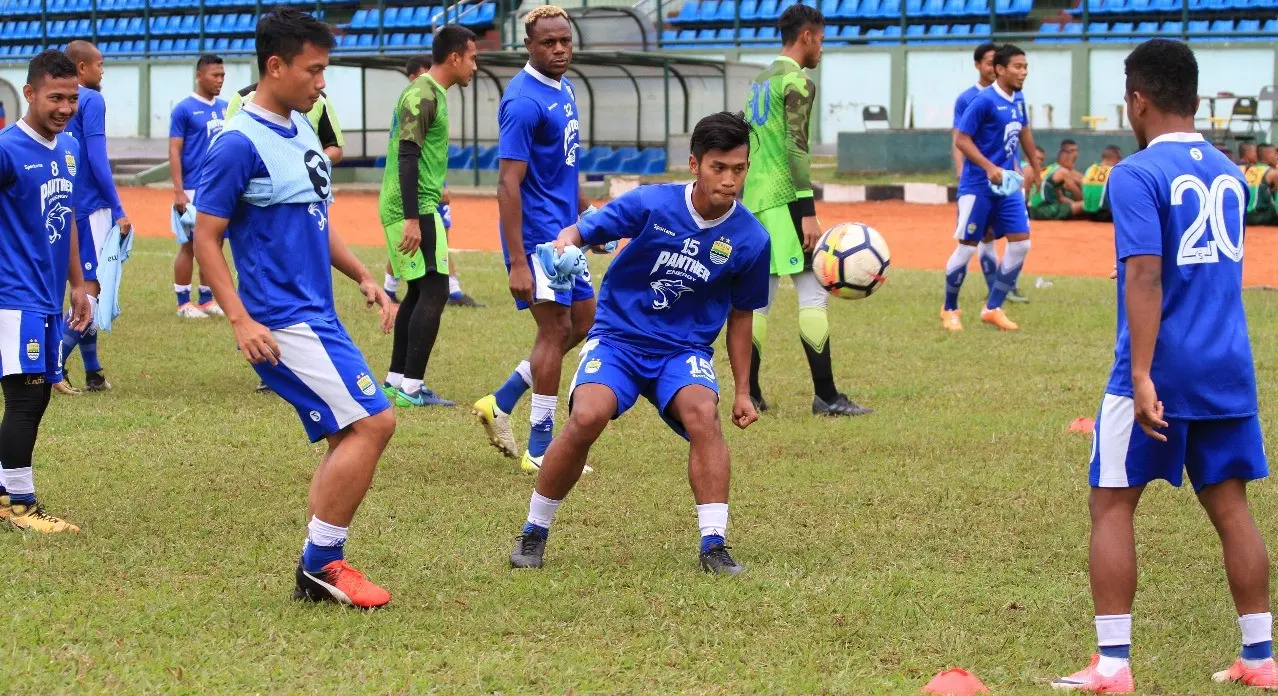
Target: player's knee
pixel 587 423
pixel 556 334
pixel 700 418
pixel 380 426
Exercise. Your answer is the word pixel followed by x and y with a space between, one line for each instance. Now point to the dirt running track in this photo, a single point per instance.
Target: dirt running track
pixel 920 236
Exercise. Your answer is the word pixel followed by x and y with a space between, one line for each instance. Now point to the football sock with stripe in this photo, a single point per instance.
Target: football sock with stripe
pixel 183 293
pixel 1257 638
pixel 987 254
pixel 955 273
pixel 1114 643
pixel 516 384
pixel 542 421
pixel 712 520
pixel 325 543
pixel 1008 272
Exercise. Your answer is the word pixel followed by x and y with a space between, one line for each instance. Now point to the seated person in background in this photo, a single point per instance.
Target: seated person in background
pixel 1247 157
pixel 1262 180
pixel 1095 180
pixel 1058 196
pixel 1040 156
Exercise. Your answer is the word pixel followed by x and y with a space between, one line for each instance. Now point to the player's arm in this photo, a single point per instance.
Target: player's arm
pixel 353 268
pixel 799 97
pixel 234 159
pixel 517 120
pixel 623 218
pixel 955 154
pixel 1069 182
pixel 1027 146
pixel 963 141
pixel 330 132
pixel 749 292
pixel 95 145
pixel 1138 239
pixel 177 136
pixel 416 113
pixel 81 309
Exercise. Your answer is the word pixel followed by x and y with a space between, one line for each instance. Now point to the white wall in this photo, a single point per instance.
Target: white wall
pixel 170 84
pixel 850 82
pixel 1049 83
pixel 933 80
pixel 120 90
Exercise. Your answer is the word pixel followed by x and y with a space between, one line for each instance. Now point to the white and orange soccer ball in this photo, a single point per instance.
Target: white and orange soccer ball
pixel 851 260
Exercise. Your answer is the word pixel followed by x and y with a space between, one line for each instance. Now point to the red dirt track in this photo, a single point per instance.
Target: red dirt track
pixel 920 236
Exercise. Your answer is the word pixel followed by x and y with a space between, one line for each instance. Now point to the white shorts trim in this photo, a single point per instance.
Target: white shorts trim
pixel 100 223
pixel 1113 439
pixel 542 292
pixel 10 342
pixel 965 204
pixel 303 353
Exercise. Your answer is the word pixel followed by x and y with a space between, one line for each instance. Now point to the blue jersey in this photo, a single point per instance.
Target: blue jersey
pixel 994 119
pixel 965 100
pixel 672 286
pixel 88 126
pixel 1184 201
pixel 281 251
pixel 537 120
pixel 37 178
pixel 195 121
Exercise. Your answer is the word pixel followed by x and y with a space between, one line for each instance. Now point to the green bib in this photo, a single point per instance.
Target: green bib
pixel 1262 197
pixel 1095 180
pixel 1045 191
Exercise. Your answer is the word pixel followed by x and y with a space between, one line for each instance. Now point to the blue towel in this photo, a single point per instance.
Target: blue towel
pixel 1012 182
pixel 183 224
pixel 111 258
pixel 564 267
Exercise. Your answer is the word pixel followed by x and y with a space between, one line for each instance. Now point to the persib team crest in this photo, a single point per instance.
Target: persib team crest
pixel 593 365
pixel 71 164
pixel 365 384
pixel 33 350
pixel 720 251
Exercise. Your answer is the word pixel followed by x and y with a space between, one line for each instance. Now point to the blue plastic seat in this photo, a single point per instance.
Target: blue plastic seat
pixel 868 9
pixel 670 36
pixel 893 31
pixel 213 24
pixel 915 31
pixel 222 44
pixel 850 31
pixel 727 11
pixel 768 10
pixel 1171 30
pixel 706 12
pixel 960 30
pixel 749 10
pixel 397 40
pixel 747 33
pixel 938 30
pixel 706 36
pixel 390 17
pixel 366 41
pixel 889 9
pixel 687 13
pixel 934 8
pixel 688 35
pixel 1200 25
pixel 190 25
pixel 1222 26
pixel 488 157
pixel 359 20
pixel 830 9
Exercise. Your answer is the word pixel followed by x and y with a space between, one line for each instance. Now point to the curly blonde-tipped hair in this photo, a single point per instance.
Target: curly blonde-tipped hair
pixel 542 12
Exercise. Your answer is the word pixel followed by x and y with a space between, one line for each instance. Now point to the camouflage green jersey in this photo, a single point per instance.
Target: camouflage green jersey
pixel 779 111
pixel 421 117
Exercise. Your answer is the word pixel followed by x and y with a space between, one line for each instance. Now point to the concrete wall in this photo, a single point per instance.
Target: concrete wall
pixel 929 150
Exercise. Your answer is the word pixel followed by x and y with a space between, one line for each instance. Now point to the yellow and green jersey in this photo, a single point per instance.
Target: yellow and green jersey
pixel 779 110
pixel 1094 181
pixel 421 118
pixel 1045 190
pixel 1262 208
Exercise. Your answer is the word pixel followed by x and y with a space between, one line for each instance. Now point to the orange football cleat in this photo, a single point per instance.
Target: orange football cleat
pixel 950 319
pixel 1093 682
pixel 1264 675
pixel 998 318
pixel 339 582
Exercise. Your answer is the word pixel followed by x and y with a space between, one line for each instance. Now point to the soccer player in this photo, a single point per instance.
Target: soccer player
pixel 417 66
pixel 538 195
pixel 779 193
pixel 1182 393
pixel 988 136
pixel 97 207
pixel 1248 155
pixel 193 123
pixel 416 163
pixel 322 116
pixel 1095 182
pixel 267 183
pixel 1262 182
pixel 38 167
pixel 696 258
pixel 1059 195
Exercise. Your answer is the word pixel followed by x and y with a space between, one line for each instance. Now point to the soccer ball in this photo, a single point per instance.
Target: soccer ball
pixel 851 260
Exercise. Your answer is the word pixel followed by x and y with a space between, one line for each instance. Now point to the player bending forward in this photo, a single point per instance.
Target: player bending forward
pixel 1182 393
pixel 695 258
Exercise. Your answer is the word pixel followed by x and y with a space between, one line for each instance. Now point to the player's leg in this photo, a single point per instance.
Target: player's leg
pixel 814 335
pixel 606 384
pixel 554 337
pixel 399 342
pixel 1010 221
pixel 208 305
pixel 390 283
pixel 29 366
pixel 323 375
pixel 1124 460
pixel 184 263
pixel 92 230
pixel 1223 456
pixel 759 338
pixel 987 255
pixel 973 214
pixel 431 293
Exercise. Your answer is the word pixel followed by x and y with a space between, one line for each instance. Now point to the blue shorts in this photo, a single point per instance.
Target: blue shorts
pixel 1212 451
pixel 324 376
pixel 542 292
pixel 31 344
pixel 92 230
pixel 1003 215
pixel 630 373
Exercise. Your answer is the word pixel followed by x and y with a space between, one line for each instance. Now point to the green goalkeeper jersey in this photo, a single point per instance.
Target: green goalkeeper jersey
pixel 779 111
pixel 421 117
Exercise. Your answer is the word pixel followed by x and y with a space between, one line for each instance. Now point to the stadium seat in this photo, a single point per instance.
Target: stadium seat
pixel 770 11
pixel 867 9
pixel 938 31
pixel 1222 26
pixel 934 8
pixel 687 13
pixel 892 31
pixel 960 32
pixel 1248 26
pixel 955 8
pixel 850 31
pixel 359 20
pixel 246 23
pixel 106 26
pixel 707 10
pixel 1199 26
pixel 1117 6
pixel 397 40
pixel 1271 26
pixel 166 46
pixel 830 9
pixel 669 36
pixel 890 9
pixel 1098 30
pixel 768 33
pixel 221 43
pixel 190 25
pixel 488 157
pixel 1048 31
pixel 706 36
pixel 727 36
pixel 1147 28
pixel 747 33
pixel 915 31
pixel 1171 29
pixel 390 17
pixel 366 42
pixel 727 11
pixel 749 10
pixel 688 35
pixel 213 24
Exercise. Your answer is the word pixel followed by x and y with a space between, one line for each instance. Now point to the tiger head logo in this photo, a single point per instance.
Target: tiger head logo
pixel 55 220
pixel 667 290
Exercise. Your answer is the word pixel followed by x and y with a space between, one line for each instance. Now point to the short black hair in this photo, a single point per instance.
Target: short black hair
pixel 449 40
pixel 720 131
pixel 1066 143
pixel 795 19
pixel 1004 54
pixel 206 60
pixel 1264 147
pixel 417 63
pixel 283 31
pixel 1113 150
pixel 979 54
pixel 50 63
pixel 1166 72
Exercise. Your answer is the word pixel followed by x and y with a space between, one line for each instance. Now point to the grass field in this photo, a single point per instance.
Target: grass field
pixel 948 529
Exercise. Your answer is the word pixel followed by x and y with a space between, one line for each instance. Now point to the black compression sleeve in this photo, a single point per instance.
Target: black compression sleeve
pixel 409 152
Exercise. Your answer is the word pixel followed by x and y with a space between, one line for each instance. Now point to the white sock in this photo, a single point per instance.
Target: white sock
pixel 395 379
pixel 322 533
pixel 181 288
pixel 391 283
pixel 541 510
pixel 454 285
pixel 987 249
pixel 18 481
pixel 1014 255
pixel 543 408
pixel 960 258
pixel 93 312
pixel 1256 628
pixel 712 518
pixel 1113 630
pixel 525 370
pixel 411 386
